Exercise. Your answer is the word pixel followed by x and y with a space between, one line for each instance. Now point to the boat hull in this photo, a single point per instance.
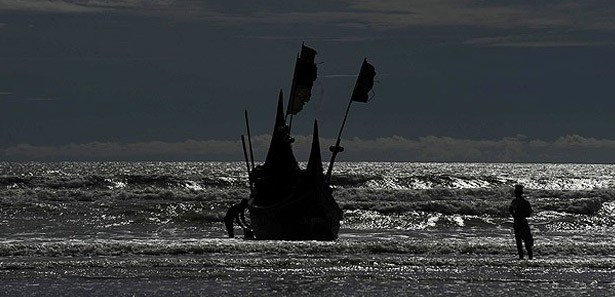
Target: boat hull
pixel 297 218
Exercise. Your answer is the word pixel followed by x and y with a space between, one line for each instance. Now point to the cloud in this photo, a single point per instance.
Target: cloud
pixel 559 23
pixel 360 14
pixel 535 40
pixel 139 150
pixel 46 6
pixel 81 6
pixel 576 141
pixel 516 14
pixel 570 148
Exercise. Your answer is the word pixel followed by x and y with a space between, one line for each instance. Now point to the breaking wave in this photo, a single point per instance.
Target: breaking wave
pixel 78 248
pixel 493 202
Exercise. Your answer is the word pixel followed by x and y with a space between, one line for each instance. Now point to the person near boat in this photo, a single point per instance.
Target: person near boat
pixel 236 214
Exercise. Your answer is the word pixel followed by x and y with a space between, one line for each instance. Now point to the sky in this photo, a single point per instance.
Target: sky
pixel 457 80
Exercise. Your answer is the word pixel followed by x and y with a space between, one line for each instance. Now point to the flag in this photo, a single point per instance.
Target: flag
pixel 303 80
pixel 364 83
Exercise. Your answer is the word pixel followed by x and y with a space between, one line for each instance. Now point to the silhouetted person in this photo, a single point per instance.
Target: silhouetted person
pixel 520 209
pixel 236 213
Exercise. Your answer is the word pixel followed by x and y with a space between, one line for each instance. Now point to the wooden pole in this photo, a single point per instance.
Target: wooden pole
pixel 249 139
pixel 245 155
pixel 291 97
pixel 337 148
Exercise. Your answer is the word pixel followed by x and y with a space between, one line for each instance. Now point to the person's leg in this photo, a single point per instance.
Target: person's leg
pixel 528 240
pixel 529 243
pixel 519 246
pixel 229 228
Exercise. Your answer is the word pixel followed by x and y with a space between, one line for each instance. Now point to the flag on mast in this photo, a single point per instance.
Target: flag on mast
pixel 303 80
pixel 365 82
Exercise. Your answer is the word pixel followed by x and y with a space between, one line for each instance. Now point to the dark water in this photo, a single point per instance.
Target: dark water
pixel 154 229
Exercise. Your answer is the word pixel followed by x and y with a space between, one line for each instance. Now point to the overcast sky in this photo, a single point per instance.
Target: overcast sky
pixel 457 80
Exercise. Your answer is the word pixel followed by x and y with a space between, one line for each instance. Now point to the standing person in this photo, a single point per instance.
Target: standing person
pixel 520 209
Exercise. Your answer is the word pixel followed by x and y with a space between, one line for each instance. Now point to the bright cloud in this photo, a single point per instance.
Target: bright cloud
pixel 571 148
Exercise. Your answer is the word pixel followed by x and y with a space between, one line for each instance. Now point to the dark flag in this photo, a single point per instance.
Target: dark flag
pixel 365 82
pixel 303 80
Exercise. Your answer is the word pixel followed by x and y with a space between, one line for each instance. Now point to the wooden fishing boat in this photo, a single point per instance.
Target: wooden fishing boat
pixel 287 202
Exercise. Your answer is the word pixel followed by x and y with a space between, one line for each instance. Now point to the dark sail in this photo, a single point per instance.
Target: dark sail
pixel 280 156
pixel 303 80
pixel 365 82
pixel 314 166
pixel 275 179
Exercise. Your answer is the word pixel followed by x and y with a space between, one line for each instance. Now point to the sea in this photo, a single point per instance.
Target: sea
pixel 409 229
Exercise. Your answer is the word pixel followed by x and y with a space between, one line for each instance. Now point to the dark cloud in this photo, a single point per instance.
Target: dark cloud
pixel 532 24
pixel 81 6
pixel 590 14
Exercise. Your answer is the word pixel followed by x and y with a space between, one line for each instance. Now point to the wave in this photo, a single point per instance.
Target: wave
pixel 587 206
pixel 91 182
pixel 186 204
pixel 191 191
pixel 181 205
pixel 82 248
pixel 430 181
pixel 374 175
pixel 471 201
pixel 386 175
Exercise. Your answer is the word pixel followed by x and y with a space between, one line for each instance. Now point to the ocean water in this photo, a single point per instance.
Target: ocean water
pixel 424 229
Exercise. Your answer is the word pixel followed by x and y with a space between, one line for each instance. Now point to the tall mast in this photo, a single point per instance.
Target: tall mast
pixel 364 83
pixel 245 155
pixel 249 138
pixel 291 95
pixel 337 148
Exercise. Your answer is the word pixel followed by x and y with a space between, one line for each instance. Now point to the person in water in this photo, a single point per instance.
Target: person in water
pixel 520 209
pixel 236 213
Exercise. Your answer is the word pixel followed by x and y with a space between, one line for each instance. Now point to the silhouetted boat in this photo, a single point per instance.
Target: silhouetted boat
pixel 287 202
pixel 290 203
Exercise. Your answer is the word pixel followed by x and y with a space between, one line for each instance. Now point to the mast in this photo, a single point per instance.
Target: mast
pixel 337 148
pixel 249 138
pixel 291 96
pixel 245 155
pixel 364 83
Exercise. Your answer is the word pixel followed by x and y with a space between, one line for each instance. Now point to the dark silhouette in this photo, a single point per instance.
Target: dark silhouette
pixel 520 209
pixel 291 203
pixel 288 202
pixel 236 213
